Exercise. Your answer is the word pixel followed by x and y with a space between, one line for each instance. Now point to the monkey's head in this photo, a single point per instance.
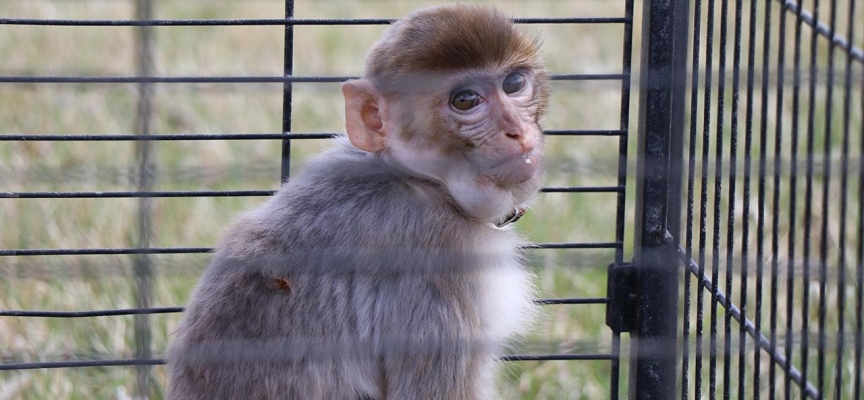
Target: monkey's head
pixel 455 94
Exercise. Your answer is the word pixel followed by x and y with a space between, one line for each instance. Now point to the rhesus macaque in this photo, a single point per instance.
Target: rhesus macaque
pixel 384 270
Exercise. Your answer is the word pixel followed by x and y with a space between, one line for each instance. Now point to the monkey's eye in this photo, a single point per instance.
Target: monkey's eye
pixel 465 100
pixel 513 82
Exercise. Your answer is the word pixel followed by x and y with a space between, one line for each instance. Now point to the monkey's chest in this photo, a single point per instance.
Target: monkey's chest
pixel 506 306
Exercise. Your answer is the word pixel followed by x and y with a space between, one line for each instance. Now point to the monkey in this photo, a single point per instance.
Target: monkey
pixel 386 269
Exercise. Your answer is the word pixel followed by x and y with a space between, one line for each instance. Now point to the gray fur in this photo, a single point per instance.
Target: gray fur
pixel 384 297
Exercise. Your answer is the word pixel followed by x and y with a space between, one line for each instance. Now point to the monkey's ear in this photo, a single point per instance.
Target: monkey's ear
pixel 365 115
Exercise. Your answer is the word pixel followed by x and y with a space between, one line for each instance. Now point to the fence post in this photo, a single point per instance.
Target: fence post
pixel 654 349
pixel 143 265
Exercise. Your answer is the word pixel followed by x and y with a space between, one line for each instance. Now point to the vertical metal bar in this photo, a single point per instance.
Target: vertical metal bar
pixel 775 221
pixel 730 223
pixel 844 190
pixel 760 213
pixel 146 175
pixel 745 227
pixel 703 198
pixel 859 273
pixel 664 52
pixel 691 180
pixel 624 125
pixel 808 201
pixel 718 196
pixel 793 186
pixel 826 184
pixel 287 93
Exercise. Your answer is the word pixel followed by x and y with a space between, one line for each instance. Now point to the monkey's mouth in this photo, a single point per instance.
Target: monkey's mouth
pixel 516 170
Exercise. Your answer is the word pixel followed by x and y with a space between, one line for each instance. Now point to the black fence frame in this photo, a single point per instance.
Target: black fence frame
pixel 144 139
pixel 643 295
pixel 661 244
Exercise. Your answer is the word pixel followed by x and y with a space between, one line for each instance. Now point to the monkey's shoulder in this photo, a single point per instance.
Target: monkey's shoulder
pixel 350 197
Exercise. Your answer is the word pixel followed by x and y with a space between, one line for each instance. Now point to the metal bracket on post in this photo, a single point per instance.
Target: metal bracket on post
pixel 621 292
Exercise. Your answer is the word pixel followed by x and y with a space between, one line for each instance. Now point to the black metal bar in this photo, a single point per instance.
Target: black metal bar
pixel 748 158
pixel 842 237
pixel 808 206
pixel 775 222
pixel 620 212
pixel 170 310
pixel 103 251
pixel 134 194
pixel 731 201
pixel 142 263
pixel 580 300
pixel 664 52
pixel 244 136
pixel 240 193
pixel 560 357
pixel 193 250
pixel 793 217
pixel 859 270
pixel 691 181
pixel 278 22
pixel 761 200
pixel 703 210
pixel 823 234
pixel 246 79
pixel 165 137
pixel 90 313
pixel 287 93
pixel 78 364
pixel 718 196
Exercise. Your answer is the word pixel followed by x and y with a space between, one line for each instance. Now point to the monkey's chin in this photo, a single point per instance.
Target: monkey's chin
pixel 516 171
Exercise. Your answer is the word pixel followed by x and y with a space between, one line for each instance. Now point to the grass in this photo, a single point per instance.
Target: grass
pixel 106 282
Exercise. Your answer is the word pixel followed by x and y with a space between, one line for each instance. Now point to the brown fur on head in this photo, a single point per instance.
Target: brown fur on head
pixel 447 38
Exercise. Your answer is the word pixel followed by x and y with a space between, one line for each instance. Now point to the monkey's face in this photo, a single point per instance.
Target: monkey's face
pixel 484 121
pixel 491 117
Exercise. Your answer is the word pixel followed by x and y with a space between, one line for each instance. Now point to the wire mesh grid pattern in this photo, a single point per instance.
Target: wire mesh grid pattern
pixel 772 244
pixel 145 181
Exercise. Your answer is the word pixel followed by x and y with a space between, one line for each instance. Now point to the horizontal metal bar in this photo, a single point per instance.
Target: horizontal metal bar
pixel 170 310
pixel 159 361
pixel 104 251
pixel 78 364
pixel 90 313
pixel 560 357
pixel 198 250
pixel 132 194
pixel 583 189
pixel 243 79
pixel 577 300
pixel 583 132
pixel 277 21
pixel 240 136
pixel 597 245
pixel 237 193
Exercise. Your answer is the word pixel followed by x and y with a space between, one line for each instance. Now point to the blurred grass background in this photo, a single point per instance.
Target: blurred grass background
pixel 106 282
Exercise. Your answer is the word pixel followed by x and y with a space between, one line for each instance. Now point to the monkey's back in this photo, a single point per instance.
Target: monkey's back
pixel 349 279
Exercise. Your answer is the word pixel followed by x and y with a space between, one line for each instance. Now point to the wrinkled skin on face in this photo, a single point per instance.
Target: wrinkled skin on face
pixel 477 132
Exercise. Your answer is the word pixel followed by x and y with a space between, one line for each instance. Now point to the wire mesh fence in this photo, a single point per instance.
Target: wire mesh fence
pixel 773 209
pixel 132 130
pixel 135 129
